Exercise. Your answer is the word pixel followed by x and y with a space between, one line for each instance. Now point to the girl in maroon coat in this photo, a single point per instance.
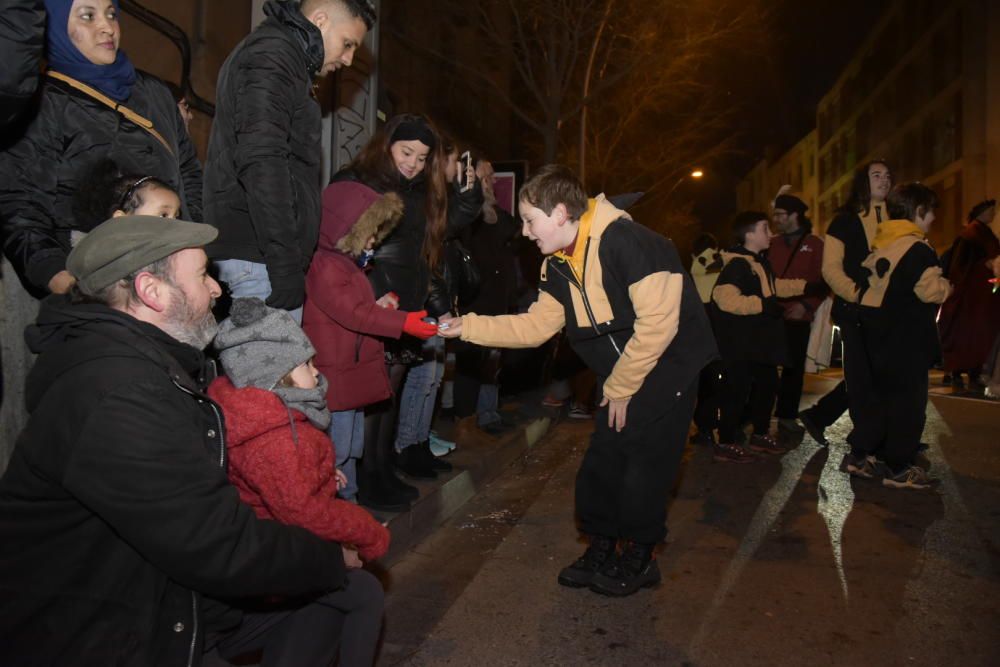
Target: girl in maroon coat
pixel 345 321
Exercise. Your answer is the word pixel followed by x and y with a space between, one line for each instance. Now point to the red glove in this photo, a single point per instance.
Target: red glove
pixel 415 326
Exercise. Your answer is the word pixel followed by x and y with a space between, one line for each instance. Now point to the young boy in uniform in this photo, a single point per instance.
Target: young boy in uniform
pixel 898 309
pixel 633 315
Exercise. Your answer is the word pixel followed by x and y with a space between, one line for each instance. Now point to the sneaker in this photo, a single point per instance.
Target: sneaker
pixel 867 467
pixel 553 402
pixel 581 572
pixel 703 438
pixel 729 453
pixel 440 446
pixel 913 477
pixel 579 412
pixel 411 461
pixel 790 424
pixel 635 568
pixel 815 431
pixel 765 444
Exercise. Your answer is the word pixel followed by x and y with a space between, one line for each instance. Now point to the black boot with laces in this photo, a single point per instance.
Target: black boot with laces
pixel 635 568
pixel 581 573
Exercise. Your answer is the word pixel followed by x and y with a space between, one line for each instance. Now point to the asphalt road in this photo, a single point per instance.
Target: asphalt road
pixel 783 562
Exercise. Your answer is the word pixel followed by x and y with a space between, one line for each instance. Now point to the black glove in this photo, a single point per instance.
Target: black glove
pixel 817 289
pixel 287 291
pixel 772 308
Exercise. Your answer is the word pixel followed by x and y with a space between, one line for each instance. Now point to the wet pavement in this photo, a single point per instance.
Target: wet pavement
pixel 784 562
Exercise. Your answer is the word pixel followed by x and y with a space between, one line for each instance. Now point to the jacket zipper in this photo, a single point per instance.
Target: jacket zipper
pixel 583 291
pixel 222 464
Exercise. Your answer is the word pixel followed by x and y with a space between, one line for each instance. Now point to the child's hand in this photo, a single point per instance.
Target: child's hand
pixel 351 559
pixel 341 478
pixel 617 407
pixel 388 300
pixel 454 328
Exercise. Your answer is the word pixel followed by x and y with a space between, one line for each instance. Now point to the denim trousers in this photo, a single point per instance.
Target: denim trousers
pixel 416 405
pixel 246 278
pixel 347 431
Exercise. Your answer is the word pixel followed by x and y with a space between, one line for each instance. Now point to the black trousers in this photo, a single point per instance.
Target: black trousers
pixel 310 635
pixel 380 426
pixel 793 372
pixel 748 383
pixel 625 478
pixel 473 367
pixel 891 425
pixel 829 408
pixel 706 414
pixel 860 387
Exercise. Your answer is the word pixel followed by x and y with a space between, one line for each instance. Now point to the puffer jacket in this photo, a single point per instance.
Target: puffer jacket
pixel 22 41
pixel 262 172
pixel 284 469
pixel 340 315
pixel 39 174
pixel 117 521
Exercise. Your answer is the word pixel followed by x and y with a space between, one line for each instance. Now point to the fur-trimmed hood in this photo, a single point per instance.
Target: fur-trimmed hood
pixel 353 213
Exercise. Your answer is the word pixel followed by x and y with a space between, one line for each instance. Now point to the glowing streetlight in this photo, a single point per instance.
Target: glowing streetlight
pixel 697 173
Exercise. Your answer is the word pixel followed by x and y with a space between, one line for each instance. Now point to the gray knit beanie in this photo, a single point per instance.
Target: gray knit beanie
pixel 259 345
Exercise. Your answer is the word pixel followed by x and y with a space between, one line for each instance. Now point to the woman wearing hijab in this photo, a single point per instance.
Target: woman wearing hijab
pixel 94 105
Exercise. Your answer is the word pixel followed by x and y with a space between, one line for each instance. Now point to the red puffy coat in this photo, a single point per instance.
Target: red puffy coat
pixel 340 315
pixel 288 481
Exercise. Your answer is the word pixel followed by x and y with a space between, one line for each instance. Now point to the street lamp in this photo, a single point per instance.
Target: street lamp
pixel 696 174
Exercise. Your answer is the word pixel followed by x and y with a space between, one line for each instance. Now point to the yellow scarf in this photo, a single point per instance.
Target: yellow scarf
pixel 580 247
pixel 893 230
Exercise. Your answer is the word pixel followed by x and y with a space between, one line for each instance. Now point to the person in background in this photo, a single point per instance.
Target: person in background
pixel 795 253
pixel 262 171
pixel 183 107
pixel 22 42
pixel 706 263
pixel 970 318
pixel 847 244
pixel 94 105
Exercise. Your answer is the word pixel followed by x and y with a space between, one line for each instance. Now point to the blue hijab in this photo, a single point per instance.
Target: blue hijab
pixel 114 80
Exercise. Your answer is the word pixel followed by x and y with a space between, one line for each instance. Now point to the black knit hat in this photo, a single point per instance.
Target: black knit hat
pixel 981 208
pixel 790 203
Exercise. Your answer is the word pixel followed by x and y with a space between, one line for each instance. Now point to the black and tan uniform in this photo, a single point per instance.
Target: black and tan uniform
pixel 633 315
pixel 897 312
pixel 750 329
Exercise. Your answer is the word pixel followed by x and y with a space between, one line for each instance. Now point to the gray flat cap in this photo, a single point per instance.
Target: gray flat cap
pixel 120 246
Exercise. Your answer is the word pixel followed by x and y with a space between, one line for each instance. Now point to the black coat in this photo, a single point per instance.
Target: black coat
pixel 759 337
pixel 116 516
pixel 492 247
pixel 264 163
pixel 22 40
pixel 39 174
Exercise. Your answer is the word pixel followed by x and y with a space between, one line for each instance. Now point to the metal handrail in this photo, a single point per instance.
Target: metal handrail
pixel 175 34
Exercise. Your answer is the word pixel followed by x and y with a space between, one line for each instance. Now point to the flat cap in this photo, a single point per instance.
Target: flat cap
pixel 121 246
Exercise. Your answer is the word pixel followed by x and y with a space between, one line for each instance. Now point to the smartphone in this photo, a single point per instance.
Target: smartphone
pixel 464 162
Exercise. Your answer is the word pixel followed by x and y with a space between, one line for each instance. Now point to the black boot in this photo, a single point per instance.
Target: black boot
pixel 581 572
pixel 390 480
pixel 375 494
pixel 436 464
pixel 412 462
pixel 635 568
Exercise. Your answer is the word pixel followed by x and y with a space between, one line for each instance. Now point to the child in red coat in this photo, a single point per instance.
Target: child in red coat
pixel 280 457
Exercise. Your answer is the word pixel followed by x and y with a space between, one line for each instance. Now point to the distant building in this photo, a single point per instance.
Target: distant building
pixel 797 168
pixel 923 92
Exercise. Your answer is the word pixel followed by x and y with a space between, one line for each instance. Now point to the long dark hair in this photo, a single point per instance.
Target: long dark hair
pixel 375 166
pixel 860 198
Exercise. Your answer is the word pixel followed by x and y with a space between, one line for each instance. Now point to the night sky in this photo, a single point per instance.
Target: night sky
pixel 804 49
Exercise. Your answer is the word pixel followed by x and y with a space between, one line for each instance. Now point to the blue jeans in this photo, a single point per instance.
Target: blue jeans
pixel 246 278
pixel 416 405
pixel 347 430
pixel 487 405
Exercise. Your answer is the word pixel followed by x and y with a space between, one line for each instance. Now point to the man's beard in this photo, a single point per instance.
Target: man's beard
pixel 187 326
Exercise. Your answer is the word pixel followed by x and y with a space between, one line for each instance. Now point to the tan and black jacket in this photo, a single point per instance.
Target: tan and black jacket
pixel 745 331
pixel 899 303
pixel 630 311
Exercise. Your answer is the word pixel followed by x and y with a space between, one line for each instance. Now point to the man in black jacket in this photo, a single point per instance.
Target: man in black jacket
pixel 119 531
pixel 262 173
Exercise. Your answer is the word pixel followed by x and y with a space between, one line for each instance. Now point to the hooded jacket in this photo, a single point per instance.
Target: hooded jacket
pixel 631 312
pixel 340 315
pixel 116 516
pixel 262 172
pixel 22 41
pixel 899 303
pixel 70 132
pixel 284 468
pixel 744 328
